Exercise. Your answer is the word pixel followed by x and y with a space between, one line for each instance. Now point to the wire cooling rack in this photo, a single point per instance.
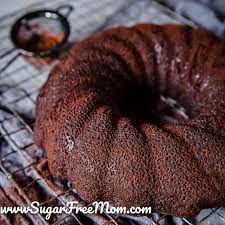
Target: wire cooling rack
pixel 23 167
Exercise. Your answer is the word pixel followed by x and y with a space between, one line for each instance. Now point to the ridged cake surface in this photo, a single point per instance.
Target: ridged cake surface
pixel 93 118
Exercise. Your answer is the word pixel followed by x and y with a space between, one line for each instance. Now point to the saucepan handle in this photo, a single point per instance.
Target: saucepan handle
pixel 66 8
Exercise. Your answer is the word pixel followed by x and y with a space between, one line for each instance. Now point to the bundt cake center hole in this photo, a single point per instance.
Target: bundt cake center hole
pixel 144 107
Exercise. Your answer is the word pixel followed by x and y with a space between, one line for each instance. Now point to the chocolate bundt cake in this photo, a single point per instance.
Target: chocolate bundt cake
pixel 96 119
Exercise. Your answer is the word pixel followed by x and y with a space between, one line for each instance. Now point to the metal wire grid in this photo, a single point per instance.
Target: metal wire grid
pixel 19 86
pixel 29 167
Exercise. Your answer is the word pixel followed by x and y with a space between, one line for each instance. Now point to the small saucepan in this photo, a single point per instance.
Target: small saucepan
pixel 39 33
